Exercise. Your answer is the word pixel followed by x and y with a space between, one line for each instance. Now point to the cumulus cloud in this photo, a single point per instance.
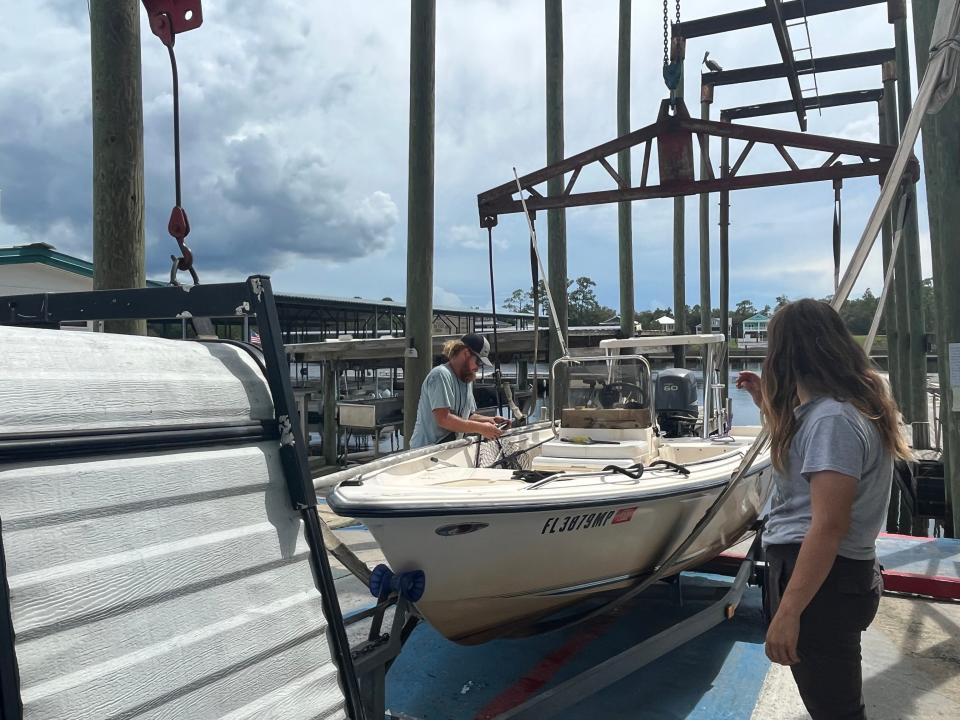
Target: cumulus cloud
pixel 294 139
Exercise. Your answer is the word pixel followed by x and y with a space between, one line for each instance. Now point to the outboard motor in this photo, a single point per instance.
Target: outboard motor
pixel 676 402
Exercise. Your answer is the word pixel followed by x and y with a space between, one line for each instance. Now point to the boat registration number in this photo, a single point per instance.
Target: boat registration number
pixel 587 521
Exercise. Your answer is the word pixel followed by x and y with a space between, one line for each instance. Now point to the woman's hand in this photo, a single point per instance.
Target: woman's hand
pixel 782 638
pixel 750 382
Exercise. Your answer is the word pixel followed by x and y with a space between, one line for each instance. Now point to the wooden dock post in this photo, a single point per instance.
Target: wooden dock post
pixel 706 306
pixel 889 135
pixel 725 270
pixel 911 334
pixel 330 429
pixel 419 312
pixel 625 221
pixel 119 259
pixel 677 53
pixel 941 155
pixel 556 219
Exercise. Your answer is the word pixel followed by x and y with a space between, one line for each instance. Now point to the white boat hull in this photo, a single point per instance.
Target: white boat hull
pixel 500 568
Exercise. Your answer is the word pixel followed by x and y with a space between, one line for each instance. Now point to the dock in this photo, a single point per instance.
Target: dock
pixel 911 652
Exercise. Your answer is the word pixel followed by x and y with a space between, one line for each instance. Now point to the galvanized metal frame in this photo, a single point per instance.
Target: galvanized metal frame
pixel 253 297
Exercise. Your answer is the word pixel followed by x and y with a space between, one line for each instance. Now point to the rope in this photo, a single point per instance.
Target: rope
pixel 533 248
pixel 535 276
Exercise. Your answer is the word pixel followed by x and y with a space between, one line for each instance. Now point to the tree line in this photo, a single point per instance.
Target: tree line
pixel 584 308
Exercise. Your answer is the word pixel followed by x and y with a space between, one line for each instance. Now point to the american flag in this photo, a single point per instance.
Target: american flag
pixel 254 337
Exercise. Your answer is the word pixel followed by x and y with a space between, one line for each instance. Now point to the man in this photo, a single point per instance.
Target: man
pixel 447 406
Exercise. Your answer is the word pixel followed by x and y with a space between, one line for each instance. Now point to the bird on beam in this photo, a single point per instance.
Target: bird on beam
pixel 712 65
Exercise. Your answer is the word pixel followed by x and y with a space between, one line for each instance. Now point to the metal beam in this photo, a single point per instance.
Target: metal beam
pixel 785 106
pixel 755 17
pixel 682 189
pixel 492 201
pixel 782 35
pixel 829 63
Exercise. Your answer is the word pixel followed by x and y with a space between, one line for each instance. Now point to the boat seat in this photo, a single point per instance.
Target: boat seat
pixel 564 448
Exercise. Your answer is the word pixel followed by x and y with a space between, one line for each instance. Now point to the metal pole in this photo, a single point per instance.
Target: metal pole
pixel 941 155
pixel 677 51
pixel 119 259
pixel 706 311
pixel 419 314
pixel 888 135
pixel 914 347
pixel 556 219
pixel 623 169
pixel 725 271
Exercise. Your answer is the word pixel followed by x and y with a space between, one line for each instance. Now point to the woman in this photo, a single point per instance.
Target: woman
pixel 834 435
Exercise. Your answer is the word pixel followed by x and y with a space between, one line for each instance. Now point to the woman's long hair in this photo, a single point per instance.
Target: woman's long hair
pixel 807 343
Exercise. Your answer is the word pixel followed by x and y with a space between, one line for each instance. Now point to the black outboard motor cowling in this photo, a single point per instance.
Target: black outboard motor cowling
pixel 676 402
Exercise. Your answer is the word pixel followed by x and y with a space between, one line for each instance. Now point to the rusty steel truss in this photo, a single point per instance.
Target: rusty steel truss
pixel 674 135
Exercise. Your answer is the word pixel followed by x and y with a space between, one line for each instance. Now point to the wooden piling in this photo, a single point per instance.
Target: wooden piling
pixel 419 312
pixel 677 52
pixel 889 135
pixel 556 219
pixel 330 429
pixel 706 314
pixel 911 338
pixel 725 270
pixel 941 155
pixel 119 256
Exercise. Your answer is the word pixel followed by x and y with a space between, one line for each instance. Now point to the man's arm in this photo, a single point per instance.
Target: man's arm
pixel 495 419
pixel 452 422
pixel 831 499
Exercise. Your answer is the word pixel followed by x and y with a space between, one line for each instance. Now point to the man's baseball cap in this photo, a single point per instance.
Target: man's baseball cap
pixel 479 346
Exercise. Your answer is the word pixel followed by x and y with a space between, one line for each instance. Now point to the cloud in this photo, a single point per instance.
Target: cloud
pixel 445 298
pixel 295 141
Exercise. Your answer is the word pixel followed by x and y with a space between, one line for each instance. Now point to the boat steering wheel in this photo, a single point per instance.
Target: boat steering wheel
pixel 613 391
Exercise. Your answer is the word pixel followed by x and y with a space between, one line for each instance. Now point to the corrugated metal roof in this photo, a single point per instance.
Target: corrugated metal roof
pixel 171 584
pixel 401 307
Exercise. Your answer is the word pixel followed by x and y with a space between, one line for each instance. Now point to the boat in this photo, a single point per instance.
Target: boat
pixel 512 532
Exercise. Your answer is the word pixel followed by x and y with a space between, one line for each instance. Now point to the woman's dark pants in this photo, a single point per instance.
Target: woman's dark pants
pixel 828 674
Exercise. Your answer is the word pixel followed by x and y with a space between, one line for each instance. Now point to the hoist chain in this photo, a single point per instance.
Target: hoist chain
pixel 666 34
pixel 666 30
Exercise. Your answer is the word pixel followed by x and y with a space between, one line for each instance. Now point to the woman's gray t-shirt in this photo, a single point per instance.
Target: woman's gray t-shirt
pixel 833 435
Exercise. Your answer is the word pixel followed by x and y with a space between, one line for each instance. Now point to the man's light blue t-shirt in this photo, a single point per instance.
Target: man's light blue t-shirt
pixel 441 389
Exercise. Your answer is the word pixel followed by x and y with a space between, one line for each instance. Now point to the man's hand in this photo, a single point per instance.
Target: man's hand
pixel 750 382
pixel 782 638
pixel 488 430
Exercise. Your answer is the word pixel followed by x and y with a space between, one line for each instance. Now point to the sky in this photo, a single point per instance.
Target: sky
pixel 294 137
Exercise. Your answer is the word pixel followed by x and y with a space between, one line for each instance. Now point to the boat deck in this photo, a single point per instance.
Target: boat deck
pixel 911 654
